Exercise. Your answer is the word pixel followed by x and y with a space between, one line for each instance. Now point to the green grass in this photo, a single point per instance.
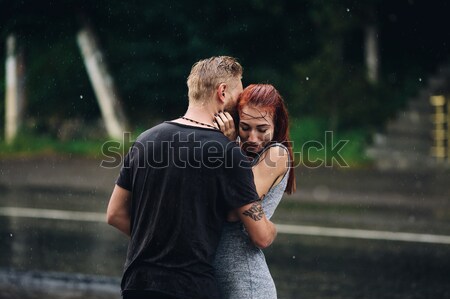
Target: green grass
pixel 32 145
pixel 312 133
pixel 302 133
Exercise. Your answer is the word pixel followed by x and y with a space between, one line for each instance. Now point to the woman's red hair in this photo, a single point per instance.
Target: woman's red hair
pixel 267 97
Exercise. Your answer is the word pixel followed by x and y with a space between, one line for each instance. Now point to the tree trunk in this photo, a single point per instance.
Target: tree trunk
pixel 15 89
pixel 371 53
pixel 103 84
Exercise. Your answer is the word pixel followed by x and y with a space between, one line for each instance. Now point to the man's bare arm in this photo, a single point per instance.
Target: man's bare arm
pixel 118 212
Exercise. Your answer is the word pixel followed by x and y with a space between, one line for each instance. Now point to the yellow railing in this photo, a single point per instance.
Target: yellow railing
pixel 441 131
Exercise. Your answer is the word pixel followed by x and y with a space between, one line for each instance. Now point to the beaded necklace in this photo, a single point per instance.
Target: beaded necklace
pixel 199 123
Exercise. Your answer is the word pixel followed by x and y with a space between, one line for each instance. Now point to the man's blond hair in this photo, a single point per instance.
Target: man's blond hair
pixel 207 74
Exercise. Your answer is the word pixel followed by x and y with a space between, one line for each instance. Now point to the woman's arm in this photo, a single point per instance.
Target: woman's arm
pixel 270 169
pixel 261 230
pixel 267 173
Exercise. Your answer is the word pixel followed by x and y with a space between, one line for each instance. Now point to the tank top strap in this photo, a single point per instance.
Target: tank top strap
pixel 256 160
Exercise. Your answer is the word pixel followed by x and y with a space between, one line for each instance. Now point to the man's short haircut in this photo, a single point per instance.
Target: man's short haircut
pixel 207 74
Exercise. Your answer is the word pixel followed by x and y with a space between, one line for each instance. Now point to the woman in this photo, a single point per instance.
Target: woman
pixel 241 268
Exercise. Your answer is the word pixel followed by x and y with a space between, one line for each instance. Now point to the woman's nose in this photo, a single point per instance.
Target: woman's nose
pixel 252 137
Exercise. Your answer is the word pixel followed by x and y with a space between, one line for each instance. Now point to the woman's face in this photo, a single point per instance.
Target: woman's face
pixel 255 128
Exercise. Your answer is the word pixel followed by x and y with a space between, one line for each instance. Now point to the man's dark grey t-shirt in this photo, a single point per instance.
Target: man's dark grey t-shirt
pixel 184 180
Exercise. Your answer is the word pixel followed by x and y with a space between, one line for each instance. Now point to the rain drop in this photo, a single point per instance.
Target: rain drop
pixel 81 96
pixel 420 79
pixel 11 235
pixel 348 9
pixel 307 78
pixel 293 257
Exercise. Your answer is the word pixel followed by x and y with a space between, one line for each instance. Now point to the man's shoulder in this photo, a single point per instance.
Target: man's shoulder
pixel 163 127
pixel 168 131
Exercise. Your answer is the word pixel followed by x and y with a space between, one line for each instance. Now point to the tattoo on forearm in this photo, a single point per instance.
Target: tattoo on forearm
pixel 255 212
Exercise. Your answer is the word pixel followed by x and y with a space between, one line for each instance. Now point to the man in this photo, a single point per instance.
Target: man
pixel 177 184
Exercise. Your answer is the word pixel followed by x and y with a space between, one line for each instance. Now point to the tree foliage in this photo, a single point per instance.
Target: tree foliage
pixel 311 50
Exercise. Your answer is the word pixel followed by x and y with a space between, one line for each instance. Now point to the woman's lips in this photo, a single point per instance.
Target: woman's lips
pixel 252 148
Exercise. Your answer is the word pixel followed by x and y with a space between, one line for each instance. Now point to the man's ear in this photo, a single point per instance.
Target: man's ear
pixel 221 92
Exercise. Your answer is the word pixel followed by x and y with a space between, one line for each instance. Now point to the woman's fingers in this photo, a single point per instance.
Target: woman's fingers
pixel 226 124
pixel 229 117
pixel 220 123
pixel 225 120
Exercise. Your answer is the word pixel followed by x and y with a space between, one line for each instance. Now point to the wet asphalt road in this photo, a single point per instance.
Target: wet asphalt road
pixel 302 266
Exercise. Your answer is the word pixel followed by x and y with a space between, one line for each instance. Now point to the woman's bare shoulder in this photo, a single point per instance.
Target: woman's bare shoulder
pixel 274 159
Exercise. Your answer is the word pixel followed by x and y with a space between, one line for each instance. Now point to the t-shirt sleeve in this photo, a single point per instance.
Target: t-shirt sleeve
pixel 124 180
pixel 240 187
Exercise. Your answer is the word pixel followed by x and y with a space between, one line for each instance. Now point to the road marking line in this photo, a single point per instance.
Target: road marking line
pixel 282 228
pixel 361 234
pixel 53 214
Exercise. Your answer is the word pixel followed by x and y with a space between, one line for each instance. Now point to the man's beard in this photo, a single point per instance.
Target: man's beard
pixel 232 109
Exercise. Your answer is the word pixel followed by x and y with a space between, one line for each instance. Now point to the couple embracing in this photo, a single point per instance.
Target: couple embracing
pixel 198 224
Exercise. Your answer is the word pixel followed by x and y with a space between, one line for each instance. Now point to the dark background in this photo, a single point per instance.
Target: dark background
pixel 312 51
